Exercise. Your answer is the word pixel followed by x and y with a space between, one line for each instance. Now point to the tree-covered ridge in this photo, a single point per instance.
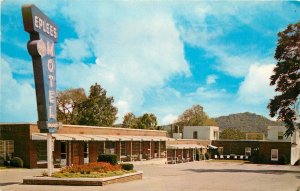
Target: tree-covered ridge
pixel 245 122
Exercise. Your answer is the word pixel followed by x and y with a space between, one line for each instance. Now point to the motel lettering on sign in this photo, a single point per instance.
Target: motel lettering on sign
pixel 43 35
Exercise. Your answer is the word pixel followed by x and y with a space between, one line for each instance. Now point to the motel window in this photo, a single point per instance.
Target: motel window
pixel 280 135
pixel 215 135
pixel 274 155
pixel 86 150
pixel 41 149
pixel 6 149
pixel 248 151
pixel 195 135
pixel 123 148
pixel 63 150
pixel 86 153
pixel 110 147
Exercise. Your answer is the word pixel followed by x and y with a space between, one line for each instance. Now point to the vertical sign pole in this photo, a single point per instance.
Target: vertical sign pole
pixel 49 154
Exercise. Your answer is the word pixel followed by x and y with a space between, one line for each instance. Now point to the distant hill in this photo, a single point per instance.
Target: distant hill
pixel 246 122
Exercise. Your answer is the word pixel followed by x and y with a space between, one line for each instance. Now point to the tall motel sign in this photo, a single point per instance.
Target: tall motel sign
pixel 43 35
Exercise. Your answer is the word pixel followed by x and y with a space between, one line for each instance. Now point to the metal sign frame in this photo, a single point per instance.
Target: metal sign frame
pixel 43 35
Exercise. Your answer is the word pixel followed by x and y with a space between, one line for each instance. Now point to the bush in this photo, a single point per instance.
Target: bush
pixel 258 158
pixel 112 159
pixel 127 166
pixel 197 157
pixel 207 156
pixel 17 162
pixel 282 160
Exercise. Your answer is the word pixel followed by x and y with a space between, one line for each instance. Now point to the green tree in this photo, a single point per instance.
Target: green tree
pixel 68 103
pixel 286 77
pixel 98 109
pixel 194 116
pixel 233 134
pixel 129 121
pixel 147 121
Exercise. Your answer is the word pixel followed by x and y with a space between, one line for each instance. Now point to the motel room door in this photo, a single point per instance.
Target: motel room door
pixel 76 153
pixel 63 153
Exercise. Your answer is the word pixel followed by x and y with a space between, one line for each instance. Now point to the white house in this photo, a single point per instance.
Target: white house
pixel 201 132
pixel 276 133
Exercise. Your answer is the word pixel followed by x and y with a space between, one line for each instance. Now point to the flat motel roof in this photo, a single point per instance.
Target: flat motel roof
pixel 88 137
pixel 186 146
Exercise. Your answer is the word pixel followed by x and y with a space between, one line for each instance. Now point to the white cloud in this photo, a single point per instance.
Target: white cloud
pixel 75 49
pixel 123 108
pixel 169 119
pixel 19 66
pixel 198 30
pixel 255 88
pixel 211 79
pixel 132 54
pixel 139 48
pixel 17 99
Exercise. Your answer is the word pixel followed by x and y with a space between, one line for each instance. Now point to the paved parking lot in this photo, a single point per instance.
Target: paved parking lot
pixel 188 176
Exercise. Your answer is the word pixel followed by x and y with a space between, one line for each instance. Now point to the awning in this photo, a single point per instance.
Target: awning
pixel 212 147
pixel 185 146
pixel 89 137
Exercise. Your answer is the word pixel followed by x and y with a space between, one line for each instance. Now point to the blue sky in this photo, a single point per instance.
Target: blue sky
pixel 158 57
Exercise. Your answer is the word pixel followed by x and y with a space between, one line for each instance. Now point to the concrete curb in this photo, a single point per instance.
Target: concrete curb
pixel 83 181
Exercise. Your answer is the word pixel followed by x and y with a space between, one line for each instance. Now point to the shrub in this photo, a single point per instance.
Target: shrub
pixel 44 173
pixel 17 162
pixel 127 166
pixel 112 159
pixel 207 156
pixel 282 160
pixel 258 158
pixel 197 157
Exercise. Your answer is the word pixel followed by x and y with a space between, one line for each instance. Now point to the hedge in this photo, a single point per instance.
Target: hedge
pixel 17 162
pixel 112 159
pixel 127 166
pixel 207 156
pixel 282 160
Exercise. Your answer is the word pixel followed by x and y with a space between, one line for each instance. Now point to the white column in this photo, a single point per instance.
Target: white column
pixel 4 149
pixel 193 154
pixel 182 154
pixel 159 149
pixel 103 147
pixel 120 147
pixel 130 150
pixel 49 154
pixel 175 156
pixel 140 157
pixel 69 153
pixel 150 151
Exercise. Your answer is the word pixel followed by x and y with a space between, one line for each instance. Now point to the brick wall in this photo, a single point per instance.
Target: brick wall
pixel 264 147
pixel 20 134
pixel 77 129
pixel 93 151
pixel 189 141
pixel 25 148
